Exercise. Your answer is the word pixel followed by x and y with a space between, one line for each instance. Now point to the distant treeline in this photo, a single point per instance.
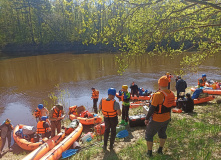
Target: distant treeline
pixel 55 47
pixel 50 26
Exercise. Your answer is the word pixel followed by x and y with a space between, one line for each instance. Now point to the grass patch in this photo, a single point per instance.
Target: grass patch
pixel 190 136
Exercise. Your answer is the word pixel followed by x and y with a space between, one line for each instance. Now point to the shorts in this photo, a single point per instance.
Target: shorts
pixel 156 127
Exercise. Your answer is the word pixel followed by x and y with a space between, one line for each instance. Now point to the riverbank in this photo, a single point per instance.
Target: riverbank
pixel 17 50
pixel 190 136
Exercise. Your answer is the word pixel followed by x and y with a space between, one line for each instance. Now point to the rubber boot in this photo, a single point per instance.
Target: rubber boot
pixel 122 122
pixel 160 150
pixel 149 153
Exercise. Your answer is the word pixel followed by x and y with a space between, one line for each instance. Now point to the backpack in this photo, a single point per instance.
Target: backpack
pixel 28 130
pixel 203 95
pixel 196 93
pixel 86 114
pixel 20 133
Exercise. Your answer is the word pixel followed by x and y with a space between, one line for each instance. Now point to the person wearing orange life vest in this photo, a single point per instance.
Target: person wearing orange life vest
pixel 169 76
pixel 95 96
pixel 43 127
pixel 55 116
pixel 158 116
pixel 202 81
pixel 111 110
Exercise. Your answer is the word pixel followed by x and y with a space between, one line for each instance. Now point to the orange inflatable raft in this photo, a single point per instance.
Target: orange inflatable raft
pixel 75 112
pixel 135 97
pixel 138 104
pixel 209 91
pixel 25 144
pixel 56 152
pixel 89 121
pixel 176 110
pixel 45 147
pixel 201 100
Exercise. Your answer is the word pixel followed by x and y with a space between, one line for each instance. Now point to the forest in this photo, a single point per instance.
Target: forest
pixel 131 27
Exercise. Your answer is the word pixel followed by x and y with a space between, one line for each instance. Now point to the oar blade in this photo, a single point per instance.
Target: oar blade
pixel 69 153
pixel 122 134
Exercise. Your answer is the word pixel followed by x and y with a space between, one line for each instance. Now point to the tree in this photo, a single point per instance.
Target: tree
pixel 194 24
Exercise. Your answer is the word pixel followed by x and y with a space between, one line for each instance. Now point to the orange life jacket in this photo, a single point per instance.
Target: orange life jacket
pixel 100 129
pixel 86 114
pixel 73 110
pixel 217 85
pixel 108 108
pixel 167 103
pixel 162 111
pixel 95 94
pixel 40 127
pixel 201 84
pixel 37 113
pixel 56 114
pixel 169 77
pixel 68 130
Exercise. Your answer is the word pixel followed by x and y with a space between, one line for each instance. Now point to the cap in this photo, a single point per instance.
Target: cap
pixel 163 81
pixel 7 121
pixel 167 73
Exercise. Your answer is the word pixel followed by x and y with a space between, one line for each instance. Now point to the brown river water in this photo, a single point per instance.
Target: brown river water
pixel 27 81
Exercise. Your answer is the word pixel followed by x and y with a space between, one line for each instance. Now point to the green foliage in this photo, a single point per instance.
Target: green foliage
pixel 59 97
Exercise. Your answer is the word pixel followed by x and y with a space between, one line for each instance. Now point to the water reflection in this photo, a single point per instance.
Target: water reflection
pixel 25 82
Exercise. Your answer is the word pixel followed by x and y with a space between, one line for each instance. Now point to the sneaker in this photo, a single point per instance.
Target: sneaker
pixel 122 122
pixel 10 149
pixel 148 154
pixel 126 123
pixel 159 151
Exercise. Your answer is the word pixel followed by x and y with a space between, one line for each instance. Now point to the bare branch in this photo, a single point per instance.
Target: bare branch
pixel 142 4
pixel 196 27
pixel 205 3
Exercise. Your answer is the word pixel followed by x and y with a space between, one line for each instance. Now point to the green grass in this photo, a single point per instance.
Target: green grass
pixel 190 136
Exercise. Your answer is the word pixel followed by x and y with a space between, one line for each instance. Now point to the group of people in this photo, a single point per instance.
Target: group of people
pixel 49 122
pixel 184 103
pixel 156 120
pixel 202 82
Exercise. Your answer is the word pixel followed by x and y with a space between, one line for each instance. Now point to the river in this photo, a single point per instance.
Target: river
pixel 27 81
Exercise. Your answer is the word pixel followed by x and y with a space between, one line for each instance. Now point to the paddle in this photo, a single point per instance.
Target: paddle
pixel 122 134
pixel 69 153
